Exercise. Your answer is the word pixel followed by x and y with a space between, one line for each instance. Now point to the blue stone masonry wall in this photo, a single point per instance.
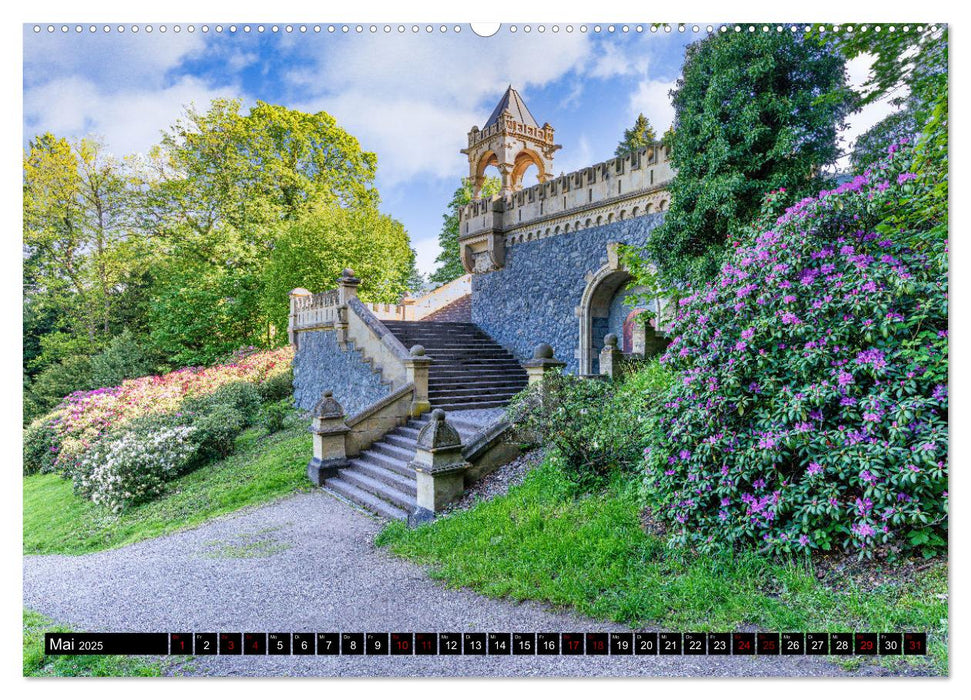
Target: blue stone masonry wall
pixel 320 364
pixel 533 297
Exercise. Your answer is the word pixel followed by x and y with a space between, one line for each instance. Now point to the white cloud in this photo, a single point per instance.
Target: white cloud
pixel 112 61
pixel 651 98
pixel 618 59
pixel 131 121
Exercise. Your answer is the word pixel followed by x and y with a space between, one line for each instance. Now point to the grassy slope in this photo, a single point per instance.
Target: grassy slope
pixel 262 468
pixel 541 543
pixel 36 663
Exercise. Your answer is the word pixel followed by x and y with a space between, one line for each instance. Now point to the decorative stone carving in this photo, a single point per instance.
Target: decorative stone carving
pixel 439 467
pixel 610 357
pixel 542 363
pixel 329 429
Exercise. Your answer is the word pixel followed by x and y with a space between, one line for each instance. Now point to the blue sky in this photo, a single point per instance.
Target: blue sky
pixel 409 97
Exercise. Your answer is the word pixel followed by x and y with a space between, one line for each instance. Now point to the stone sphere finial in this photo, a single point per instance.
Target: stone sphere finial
pixel 543 351
pixel 328 394
pixel 347 272
pixel 417 351
pixel 438 415
pixel 610 340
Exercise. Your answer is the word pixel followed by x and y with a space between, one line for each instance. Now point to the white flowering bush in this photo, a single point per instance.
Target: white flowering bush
pixel 130 467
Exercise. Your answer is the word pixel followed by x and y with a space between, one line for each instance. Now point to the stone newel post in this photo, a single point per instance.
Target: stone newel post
pixel 610 357
pixel 416 372
pixel 542 362
pixel 347 285
pixel 329 430
pixel 440 468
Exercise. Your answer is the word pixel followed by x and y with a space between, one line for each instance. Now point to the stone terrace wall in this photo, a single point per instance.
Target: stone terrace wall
pixel 319 364
pixel 533 298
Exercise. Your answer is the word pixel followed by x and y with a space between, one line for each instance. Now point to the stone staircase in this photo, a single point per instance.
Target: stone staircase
pixel 469 369
pixel 380 480
pixel 471 375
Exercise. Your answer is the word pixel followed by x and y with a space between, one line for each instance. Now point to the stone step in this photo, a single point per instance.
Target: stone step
pixel 402 441
pixel 475 373
pixel 440 394
pixel 383 461
pixel 365 500
pixel 392 451
pixel 400 494
pixel 408 432
pixel 454 382
pixel 403 478
pixel 471 405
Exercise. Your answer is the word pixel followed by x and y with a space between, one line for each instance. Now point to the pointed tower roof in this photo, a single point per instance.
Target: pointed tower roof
pixel 517 108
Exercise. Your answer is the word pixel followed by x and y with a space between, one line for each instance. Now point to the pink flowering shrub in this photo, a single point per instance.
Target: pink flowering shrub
pixel 811 410
pixel 57 441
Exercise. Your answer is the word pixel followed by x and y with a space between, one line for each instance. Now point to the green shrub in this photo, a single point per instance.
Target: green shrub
pixel 123 358
pixel 811 409
pixel 274 415
pixel 215 431
pixel 595 427
pixel 276 388
pixel 41 445
pixel 243 397
pixel 57 381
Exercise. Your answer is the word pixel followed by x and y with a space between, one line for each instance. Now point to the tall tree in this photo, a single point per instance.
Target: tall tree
pixel 253 170
pixel 753 113
pixel 312 251
pixel 639 136
pixel 77 227
pixel 449 262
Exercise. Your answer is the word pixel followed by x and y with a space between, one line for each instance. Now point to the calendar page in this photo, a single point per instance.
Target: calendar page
pixel 437 349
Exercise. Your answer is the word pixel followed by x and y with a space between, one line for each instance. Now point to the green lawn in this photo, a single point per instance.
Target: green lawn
pixel 540 542
pixel 36 663
pixel 262 468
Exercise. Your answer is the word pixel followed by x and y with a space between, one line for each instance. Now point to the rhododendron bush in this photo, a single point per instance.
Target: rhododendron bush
pixel 57 441
pixel 811 410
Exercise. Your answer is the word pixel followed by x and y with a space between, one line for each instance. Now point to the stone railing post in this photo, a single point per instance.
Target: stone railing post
pixel 295 295
pixel 542 362
pixel 329 429
pixel 416 372
pixel 610 357
pixel 347 285
pixel 440 468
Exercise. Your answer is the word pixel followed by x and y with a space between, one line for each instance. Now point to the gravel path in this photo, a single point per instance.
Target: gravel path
pixel 307 563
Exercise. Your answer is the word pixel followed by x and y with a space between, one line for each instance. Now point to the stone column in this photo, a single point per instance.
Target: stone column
pixel 329 430
pixel 416 372
pixel 440 468
pixel 610 357
pixel 347 285
pixel 295 295
pixel 542 362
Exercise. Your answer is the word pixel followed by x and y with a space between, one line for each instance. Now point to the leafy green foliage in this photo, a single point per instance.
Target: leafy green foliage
pixel 311 252
pixel 753 113
pixel 274 415
pixel 449 263
pixel 71 374
pixel 639 136
pixel 596 428
pixel 277 387
pixel 811 410
pixel 122 358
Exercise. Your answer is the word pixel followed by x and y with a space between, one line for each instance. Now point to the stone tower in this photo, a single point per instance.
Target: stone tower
pixel 511 140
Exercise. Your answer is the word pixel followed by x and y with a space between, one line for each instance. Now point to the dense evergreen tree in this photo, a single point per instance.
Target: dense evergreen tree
pixel 639 136
pixel 753 113
pixel 449 263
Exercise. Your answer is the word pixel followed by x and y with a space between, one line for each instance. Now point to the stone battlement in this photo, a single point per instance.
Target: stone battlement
pixel 614 190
